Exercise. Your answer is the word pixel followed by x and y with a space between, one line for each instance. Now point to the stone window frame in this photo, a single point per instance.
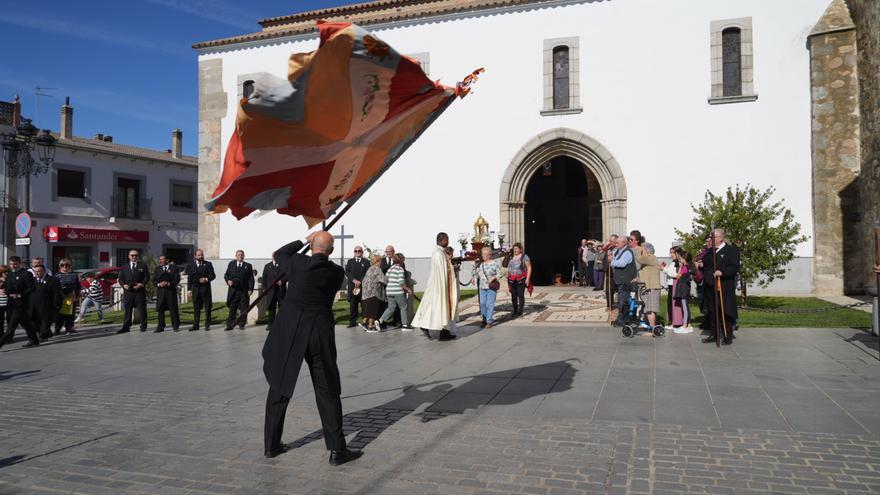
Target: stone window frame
pixel 193 191
pixel 716 91
pixel 574 76
pixel 87 183
pixel 424 59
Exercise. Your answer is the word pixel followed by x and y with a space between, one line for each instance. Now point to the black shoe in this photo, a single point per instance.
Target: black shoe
pixel 340 457
pixel 157 330
pixel 427 333
pixel 241 327
pixel 726 341
pixel 207 329
pixel 143 329
pixel 483 324
pixel 709 339
pixel 123 330
pixel 276 452
pixel 445 335
pixel 176 329
pixel 57 332
pixel 194 329
pixel 351 325
pixel 228 328
pixel 32 343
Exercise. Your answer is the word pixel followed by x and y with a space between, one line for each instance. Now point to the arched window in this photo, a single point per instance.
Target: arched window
pixel 560 77
pixel 731 61
pixel 247 88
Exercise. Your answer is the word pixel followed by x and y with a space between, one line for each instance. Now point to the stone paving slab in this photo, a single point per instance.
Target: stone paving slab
pixel 525 408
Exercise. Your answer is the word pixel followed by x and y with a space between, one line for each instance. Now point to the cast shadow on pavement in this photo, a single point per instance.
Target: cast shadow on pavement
pixel 5 375
pixel 444 399
pixel 61 339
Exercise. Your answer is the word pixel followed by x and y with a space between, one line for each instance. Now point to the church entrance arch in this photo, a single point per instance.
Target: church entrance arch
pixel 549 215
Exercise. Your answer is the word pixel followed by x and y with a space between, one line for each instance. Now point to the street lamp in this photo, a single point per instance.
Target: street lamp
pixel 18 157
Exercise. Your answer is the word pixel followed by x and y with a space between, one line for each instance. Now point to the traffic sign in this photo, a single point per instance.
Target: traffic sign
pixel 23 224
pixel 23 241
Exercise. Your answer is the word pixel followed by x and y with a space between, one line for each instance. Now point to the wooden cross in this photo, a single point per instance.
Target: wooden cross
pixel 342 237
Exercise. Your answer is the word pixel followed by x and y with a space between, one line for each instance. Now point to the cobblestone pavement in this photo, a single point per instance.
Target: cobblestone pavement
pixel 532 408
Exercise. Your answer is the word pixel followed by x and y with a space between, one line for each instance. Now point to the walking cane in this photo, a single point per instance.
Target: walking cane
pixel 721 297
pixel 717 291
pixel 877 275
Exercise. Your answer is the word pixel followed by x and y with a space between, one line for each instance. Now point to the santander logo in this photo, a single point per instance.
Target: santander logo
pixel 72 235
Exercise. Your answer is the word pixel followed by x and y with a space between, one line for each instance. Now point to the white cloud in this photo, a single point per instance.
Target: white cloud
pixel 213 10
pixel 92 32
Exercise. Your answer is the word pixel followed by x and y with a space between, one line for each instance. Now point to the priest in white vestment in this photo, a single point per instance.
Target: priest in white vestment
pixel 439 306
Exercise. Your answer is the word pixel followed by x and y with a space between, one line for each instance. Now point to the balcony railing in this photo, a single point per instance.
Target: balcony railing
pixel 126 208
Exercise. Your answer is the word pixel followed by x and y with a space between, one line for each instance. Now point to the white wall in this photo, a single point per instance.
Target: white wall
pixel 645 79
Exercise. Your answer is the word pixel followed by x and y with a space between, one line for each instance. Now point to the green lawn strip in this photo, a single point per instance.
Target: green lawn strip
pixel 753 317
pixel 221 312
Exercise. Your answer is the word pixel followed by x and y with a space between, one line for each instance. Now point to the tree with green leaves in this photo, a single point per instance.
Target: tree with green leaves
pixel 763 228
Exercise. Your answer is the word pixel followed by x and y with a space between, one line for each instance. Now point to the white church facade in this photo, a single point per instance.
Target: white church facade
pixel 592 118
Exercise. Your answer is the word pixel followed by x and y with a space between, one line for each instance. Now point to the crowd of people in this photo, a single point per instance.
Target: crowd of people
pixel 36 299
pixel 622 266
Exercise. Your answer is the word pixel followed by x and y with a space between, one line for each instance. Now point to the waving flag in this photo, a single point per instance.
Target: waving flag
pixel 347 111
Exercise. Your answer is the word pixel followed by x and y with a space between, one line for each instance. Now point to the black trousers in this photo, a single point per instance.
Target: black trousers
pixel 712 312
pixel 130 299
pixel 329 404
pixel 353 304
pixel 17 314
pixel 589 281
pixel 272 306
pixel 238 305
pixel 42 321
pixel 623 301
pixel 518 295
pixel 64 321
pixel 166 300
pixel 201 298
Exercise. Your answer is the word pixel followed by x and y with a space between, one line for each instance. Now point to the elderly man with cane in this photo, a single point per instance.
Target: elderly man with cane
pixel 304 329
pixel 719 268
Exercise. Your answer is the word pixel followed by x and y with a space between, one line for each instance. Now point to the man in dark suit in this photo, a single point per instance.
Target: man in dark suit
pixel 239 277
pixel 720 269
pixel 19 286
pixel 304 329
pixel 272 274
pixel 134 278
pixel 355 269
pixel 166 278
pixel 45 301
pixel 199 275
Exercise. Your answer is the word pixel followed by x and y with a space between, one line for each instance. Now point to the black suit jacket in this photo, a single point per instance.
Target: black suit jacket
pixel 140 275
pixel 46 296
pixel 727 260
pixel 355 270
pixel 271 272
pixel 385 264
pixel 307 308
pixel 172 276
pixel 242 278
pixel 194 272
pixel 20 282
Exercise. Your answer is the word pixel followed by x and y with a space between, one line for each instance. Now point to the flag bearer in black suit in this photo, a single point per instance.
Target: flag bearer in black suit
pixel 239 277
pixel 725 268
pixel 19 286
pixel 355 269
pixel 304 329
pixel 199 275
pixel 134 278
pixel 271 273
pixel 166 279
pixel 45 300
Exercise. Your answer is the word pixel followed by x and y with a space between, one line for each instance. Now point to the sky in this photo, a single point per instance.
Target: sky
pixel 127 65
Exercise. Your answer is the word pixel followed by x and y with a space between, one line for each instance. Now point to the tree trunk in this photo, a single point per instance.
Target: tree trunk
pixel 743 287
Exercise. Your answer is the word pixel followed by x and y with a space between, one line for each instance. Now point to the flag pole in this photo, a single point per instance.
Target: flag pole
pixel 281 276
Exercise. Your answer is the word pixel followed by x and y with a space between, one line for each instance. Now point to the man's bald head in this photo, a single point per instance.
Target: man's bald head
pixel 322 243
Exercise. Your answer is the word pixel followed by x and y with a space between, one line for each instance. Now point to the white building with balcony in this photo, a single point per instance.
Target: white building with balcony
pixel 101 198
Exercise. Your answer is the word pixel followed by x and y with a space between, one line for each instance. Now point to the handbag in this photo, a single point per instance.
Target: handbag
pixel 493 284
pixel 683 287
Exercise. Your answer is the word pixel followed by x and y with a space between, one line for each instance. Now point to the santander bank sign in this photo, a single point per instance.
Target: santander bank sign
pixel 54 233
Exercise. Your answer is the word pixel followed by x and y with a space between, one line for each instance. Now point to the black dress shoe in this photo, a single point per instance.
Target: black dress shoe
pixel 726 341
pixel 143 329
pixel 276 452
pixel 158 330
pixel 228 328
pixel 445 335
pixel 123 330
pixel 340 457
pixel 176 329
pixel 483 324
pixel 194 329
pixel 709 339
pixel 207 329
pixel 241 327
pixel 32 343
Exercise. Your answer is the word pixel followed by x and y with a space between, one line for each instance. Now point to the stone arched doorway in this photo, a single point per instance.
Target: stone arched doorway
pixel 558 146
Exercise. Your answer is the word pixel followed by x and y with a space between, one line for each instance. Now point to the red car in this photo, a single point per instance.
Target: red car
pixel 107 277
